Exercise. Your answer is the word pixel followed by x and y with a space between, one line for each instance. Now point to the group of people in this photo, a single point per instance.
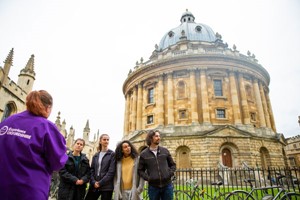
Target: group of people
pixel 33 148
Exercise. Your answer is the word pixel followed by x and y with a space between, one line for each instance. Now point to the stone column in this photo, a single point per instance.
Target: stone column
pixel 133 111
pixel 160 100
pixel 126 117
pixel 271 112
pixel 170 99
pixel 259 104
pixel 139 107
pixel 204 97
pixel 145 102
pixel 234 99
pixel 245 108
pixel 265 107
pixel 193 95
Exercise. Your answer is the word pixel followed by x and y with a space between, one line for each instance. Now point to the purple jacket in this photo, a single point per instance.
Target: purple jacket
pixel 31 149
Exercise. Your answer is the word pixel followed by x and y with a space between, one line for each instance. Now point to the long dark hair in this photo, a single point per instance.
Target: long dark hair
pixel 150 135
pixel 119 154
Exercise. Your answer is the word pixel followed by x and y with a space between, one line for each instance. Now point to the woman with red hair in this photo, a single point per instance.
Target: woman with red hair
pixel 31 149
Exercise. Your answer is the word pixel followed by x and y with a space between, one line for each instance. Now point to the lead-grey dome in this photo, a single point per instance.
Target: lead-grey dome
pixel 190 29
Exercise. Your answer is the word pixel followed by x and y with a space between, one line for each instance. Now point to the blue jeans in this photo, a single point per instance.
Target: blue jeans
pixel 165 193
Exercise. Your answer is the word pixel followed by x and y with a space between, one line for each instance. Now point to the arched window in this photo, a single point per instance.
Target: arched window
pixel 183 157
pixel 226 157
pixel 181 90
pixel 8 111
pixel 264 157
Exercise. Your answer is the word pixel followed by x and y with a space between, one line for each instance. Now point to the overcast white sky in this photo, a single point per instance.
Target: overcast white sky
pixel 85 49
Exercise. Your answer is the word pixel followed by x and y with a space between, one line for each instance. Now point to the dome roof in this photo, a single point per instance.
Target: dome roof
pixel 189 29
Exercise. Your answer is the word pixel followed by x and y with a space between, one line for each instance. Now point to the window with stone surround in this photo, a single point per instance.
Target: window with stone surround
pixel 220 113
pixel 150 119
pixel 253 116
pixel 181 90
pixel 218 90
pixel 182 114
pixel 292 161
pixel 248 89
pixel 151 95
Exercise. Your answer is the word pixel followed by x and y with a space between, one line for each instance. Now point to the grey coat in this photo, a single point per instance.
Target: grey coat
pixel 137 182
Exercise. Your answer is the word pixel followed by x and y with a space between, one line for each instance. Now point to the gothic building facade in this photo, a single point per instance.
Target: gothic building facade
pixel 292 150
pixel 90 148
pixel 13 95
pixel 13 100
pixel 210 102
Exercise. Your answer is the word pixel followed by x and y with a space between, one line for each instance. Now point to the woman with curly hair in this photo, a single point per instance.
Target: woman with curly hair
pixel 128 185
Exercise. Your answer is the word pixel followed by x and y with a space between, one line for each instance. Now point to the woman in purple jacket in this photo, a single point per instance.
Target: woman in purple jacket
pixel 31 149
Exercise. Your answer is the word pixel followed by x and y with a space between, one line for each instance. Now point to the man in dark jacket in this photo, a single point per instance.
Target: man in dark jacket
pixel 75 175
pixel 157 167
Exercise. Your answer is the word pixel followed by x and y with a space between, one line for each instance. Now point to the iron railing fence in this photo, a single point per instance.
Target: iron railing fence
pixel 233 178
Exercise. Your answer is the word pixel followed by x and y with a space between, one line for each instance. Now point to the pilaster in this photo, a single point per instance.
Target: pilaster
pixel 264 104
pixel 170 99
pixel 259 104
pixel 204 97
pixel 245 108
pixel 139 106
pixel 160 100
pixel 234 99
pixel 133 111
pixel 126 117
pixel 193 95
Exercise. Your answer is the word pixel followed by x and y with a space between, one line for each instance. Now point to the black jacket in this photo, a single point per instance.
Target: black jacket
pixel 69 175
pixel 107 173
pixel 157 170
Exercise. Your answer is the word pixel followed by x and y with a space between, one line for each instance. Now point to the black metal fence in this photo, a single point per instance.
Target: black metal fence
pixel 233 178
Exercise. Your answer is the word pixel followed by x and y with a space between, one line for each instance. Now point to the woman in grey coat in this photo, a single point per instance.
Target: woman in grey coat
pixel 128 185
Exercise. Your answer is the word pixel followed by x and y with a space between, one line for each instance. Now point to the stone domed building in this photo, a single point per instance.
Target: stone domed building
pixel 210 102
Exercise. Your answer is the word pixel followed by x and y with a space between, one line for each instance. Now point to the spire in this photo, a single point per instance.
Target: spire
pixel 29 66
pixel 9 58
pixel 57 121
pixel 86 131
pixel 63 128
pixel 87 127
pixel 6 68
pixel 27 76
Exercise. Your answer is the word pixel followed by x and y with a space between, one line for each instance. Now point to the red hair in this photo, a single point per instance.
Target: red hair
pixel 38 101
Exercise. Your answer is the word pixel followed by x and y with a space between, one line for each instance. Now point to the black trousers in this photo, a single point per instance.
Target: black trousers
pixel 94 195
